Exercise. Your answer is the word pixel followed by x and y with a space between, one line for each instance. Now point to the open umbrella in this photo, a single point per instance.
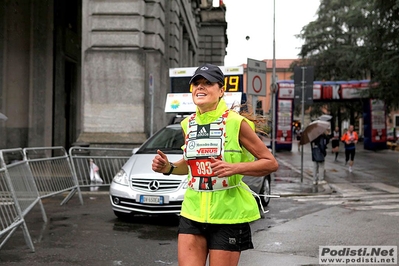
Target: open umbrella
pixel 313 130
pixel 3 117
pixel 325 117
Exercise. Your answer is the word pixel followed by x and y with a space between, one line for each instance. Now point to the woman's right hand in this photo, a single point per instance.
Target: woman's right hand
pixel 160 163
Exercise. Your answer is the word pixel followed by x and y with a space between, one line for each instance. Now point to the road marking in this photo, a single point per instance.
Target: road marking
pixel 359 199
pixel 391 213
pixel 385 187
pixel 373 207
pixel 347 189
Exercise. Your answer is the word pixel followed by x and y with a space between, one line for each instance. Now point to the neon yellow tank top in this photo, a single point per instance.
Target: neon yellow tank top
pixel 229 206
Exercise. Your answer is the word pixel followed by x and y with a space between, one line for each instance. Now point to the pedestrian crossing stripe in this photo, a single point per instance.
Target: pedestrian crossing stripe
pixel 349 189
pixel 373 207
pixel 391 213
pixel 387 204
pixel 385 187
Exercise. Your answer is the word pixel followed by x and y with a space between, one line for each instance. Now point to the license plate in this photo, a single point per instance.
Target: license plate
pixel 151 199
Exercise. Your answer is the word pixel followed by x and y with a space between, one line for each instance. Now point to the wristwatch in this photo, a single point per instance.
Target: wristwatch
pixel 172 166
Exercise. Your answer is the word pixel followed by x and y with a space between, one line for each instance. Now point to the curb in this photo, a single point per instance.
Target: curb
pixel 307 181
pixel 327 190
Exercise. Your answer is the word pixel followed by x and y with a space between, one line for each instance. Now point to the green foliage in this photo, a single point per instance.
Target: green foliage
pixel 355 39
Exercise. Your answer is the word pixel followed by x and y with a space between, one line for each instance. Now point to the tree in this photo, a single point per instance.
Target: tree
pixel 382 51
pixel 355 39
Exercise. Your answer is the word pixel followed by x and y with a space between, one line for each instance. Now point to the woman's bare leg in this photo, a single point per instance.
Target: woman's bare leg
pixel 192 250
pixel 223 257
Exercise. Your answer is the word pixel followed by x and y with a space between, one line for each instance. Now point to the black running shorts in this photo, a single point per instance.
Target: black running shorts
pixel 230 237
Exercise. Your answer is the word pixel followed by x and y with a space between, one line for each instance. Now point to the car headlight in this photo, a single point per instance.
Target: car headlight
pixel 121 178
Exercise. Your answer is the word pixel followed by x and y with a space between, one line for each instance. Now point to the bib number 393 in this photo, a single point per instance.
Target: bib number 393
pixel 203 178
pixel 201 167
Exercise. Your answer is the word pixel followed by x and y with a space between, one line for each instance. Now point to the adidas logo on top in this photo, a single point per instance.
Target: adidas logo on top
pixel 202 133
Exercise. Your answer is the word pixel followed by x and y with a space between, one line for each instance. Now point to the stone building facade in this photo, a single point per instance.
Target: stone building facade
pixel 96 71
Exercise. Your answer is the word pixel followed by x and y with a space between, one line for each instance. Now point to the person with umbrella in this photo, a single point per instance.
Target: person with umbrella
pixel 315 133
pixel 319 152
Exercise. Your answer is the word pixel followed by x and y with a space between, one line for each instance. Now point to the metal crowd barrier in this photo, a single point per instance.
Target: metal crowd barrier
pixel 30 174
pixel 52 171
pixel 19 194
pixel 96 167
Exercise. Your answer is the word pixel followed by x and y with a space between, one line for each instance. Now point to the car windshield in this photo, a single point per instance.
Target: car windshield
pixel 169 140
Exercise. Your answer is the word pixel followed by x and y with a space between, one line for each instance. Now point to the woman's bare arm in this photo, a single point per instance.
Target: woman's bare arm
pixel 264 165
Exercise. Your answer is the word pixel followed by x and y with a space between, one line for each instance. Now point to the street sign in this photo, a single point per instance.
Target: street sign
pixel 303 79
pixel 256 77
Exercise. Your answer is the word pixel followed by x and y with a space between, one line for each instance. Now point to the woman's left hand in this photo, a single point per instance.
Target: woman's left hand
pixel 221 168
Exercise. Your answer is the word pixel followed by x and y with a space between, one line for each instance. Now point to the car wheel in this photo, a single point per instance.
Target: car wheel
pixel 265 190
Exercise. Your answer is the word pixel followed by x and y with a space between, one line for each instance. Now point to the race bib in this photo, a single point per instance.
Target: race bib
pixel 202 176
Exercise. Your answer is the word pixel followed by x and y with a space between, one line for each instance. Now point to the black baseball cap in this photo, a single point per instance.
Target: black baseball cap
pixel 210 72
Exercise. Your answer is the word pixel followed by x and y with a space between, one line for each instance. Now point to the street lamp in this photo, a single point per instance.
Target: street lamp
pixel 273 87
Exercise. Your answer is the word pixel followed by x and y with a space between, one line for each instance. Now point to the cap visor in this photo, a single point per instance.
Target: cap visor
pixel 204 75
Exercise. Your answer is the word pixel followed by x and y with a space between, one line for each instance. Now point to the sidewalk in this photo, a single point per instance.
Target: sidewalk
pixel 287 180
pixel 296 241
pixel 290 180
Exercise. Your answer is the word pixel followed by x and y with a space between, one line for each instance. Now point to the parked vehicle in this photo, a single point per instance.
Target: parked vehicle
pixel 138 189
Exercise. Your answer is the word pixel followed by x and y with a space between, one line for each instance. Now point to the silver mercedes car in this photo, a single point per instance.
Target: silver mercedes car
pixel 136 188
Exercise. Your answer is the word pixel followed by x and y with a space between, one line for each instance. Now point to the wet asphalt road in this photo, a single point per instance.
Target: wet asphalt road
pixel 90 234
